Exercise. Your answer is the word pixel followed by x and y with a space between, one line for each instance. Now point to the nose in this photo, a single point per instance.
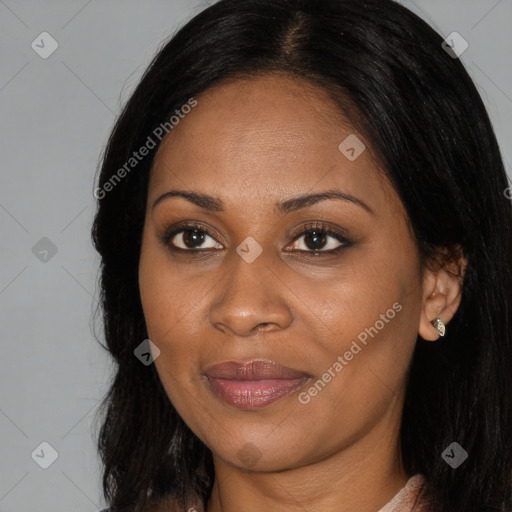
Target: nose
pixel 249 300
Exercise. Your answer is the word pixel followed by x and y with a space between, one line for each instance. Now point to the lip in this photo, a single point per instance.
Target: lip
pixel 254 384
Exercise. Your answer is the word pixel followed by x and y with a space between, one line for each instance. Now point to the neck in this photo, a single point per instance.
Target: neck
pixel 363 476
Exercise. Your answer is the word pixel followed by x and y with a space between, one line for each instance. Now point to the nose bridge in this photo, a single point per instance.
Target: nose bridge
pixel 250 297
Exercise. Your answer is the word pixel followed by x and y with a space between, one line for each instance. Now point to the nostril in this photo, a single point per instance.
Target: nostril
pixel 262 326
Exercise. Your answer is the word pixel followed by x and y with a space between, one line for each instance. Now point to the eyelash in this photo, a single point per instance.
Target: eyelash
pixel 317 227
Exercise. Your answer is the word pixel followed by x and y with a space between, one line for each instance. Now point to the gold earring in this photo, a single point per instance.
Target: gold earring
pixel 439 325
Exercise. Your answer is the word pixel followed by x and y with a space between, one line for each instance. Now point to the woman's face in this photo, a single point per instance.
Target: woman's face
pixel 344 321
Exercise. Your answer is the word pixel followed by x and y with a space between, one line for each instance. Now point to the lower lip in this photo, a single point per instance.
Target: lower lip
pixel 253 394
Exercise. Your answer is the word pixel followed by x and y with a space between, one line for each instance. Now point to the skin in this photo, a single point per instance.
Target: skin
pixel 252 144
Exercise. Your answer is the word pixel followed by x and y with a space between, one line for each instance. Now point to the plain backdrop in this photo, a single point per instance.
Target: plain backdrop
pixel 56 114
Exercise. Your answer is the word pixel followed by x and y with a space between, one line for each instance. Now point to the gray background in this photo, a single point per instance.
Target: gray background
pixel 56 115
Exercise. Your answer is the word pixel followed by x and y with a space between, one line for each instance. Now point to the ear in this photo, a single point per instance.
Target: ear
pixel 442 291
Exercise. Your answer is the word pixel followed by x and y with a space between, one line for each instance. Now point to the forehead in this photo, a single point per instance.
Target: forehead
pixel 264 138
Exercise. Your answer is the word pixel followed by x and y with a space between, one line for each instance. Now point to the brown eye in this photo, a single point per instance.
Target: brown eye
pixel 318 239
pixel 190 238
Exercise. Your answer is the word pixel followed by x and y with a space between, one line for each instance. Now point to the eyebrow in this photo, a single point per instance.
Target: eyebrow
pixel 215 204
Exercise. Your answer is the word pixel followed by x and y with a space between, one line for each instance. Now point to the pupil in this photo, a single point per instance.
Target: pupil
pixel 197 237
pixel 318 237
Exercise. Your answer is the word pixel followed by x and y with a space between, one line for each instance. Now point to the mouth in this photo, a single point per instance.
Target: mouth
pixel 255 384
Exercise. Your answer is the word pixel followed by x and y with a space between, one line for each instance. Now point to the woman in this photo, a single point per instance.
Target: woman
pixel 306 270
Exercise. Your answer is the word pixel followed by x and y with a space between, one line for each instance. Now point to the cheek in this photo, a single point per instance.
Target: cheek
pixel 172 303
pixel 169 322
pixel 360 364
pixel 169 299
pixel 365 322
pixel 355 295
pixel 171 326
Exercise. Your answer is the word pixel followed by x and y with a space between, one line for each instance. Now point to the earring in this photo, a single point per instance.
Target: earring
pixel 439 325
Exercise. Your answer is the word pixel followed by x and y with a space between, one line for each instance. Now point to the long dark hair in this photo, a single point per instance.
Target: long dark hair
pixel 428 127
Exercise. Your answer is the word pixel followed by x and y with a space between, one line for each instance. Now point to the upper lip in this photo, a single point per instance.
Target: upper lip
pixel 257 369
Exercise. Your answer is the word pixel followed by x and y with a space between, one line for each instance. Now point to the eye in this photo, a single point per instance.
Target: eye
pixel 319 239
pixel 316 240
pixel 190 238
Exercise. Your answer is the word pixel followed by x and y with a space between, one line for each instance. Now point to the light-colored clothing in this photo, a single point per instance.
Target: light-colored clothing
pixel 408 499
